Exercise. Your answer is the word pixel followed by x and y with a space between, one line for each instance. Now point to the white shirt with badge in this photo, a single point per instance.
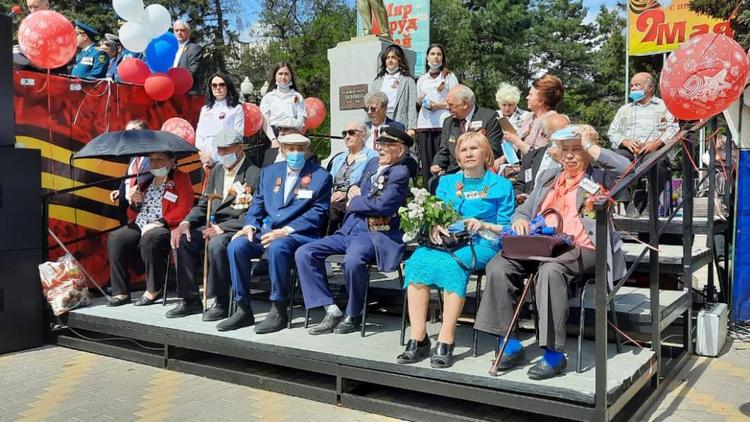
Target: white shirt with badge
pixel 285 109
pixel 435 90
pixel 214 119
pixel 390 89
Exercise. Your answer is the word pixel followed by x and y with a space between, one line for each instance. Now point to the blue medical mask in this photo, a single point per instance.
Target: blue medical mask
pixel 637 95
pixel 295 160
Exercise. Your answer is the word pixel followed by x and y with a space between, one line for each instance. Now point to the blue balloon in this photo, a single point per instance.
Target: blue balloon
pixel 161 51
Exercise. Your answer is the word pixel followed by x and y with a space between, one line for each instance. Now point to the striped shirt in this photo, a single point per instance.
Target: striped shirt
pixel 642 123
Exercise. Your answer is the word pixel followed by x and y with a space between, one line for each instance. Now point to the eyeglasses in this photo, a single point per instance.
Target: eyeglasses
pixel 371 109
pixel 350 132
pixel 219 85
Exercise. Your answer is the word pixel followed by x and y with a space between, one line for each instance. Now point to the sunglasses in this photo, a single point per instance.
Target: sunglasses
pixel 371 109
pixel 350 132
pixel 219 85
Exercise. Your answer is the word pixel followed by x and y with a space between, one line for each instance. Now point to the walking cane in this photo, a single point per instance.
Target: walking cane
pixel 521 300
pixel 210 197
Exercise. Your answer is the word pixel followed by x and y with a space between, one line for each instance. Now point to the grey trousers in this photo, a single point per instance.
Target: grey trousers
pixel 505 279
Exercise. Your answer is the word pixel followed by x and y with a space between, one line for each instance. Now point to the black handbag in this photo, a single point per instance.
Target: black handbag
pixel 537 247
pixel 451 243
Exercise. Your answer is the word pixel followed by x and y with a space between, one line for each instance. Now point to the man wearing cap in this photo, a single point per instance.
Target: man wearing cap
pixel 234 183
pixel 370 234
pixel 122 54
pixel 90 62
pixel 287 212
pixel 271 155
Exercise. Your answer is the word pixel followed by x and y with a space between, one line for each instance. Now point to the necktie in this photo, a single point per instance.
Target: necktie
pixel 463 125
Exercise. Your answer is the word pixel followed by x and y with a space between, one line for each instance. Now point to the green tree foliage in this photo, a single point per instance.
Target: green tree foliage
pixel 722 9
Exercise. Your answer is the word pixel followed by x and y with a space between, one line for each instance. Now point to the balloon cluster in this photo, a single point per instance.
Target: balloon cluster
pixel 147 30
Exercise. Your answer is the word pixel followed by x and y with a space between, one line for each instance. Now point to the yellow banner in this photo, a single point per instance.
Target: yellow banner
pixel 655 29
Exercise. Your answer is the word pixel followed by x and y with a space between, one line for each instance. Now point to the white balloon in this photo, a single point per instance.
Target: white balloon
pixel 134 37
pixel 130 10
pixel 157 20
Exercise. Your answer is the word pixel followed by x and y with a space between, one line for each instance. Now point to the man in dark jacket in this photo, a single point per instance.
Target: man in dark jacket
pixel 230 189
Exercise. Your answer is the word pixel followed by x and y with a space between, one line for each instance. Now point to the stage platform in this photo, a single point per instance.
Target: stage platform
pixel 358 372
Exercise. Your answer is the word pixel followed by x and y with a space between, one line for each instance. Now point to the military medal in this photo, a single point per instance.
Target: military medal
pixel 304 183
pixel 277 185
pixel 222 115
pixel 459 189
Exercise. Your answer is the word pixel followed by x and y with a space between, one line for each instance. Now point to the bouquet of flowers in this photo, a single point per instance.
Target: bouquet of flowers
pixel 422 212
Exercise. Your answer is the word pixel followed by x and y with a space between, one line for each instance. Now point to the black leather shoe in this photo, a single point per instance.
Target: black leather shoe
pixel 144 301
pixel 348 325
pixel 276 320
pixel 217 312
pixel 185 308
pixel 242 317
pixel 326 326
pixel 543 370
pixel 442 355
pixel 510 361
pixel 415 351
pixel 118 301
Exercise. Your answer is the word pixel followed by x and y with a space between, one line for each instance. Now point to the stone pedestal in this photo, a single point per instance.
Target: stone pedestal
pixel 354 62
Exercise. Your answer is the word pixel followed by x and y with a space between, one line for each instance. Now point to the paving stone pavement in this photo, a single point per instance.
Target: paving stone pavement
pixel 60 384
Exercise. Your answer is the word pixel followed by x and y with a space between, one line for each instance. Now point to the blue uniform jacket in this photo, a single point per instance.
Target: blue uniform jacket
pixel 91 63
pixel 376 211
pixel 304 215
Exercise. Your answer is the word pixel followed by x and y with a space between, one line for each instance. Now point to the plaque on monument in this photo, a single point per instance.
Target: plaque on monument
pixel 351 97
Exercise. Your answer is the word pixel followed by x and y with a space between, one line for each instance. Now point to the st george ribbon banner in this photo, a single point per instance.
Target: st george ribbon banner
pixel 409 26
pixel 655 28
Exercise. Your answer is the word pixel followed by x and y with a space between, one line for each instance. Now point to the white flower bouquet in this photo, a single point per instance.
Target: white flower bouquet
pixel 423 212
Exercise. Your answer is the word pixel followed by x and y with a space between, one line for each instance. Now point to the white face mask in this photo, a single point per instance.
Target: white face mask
pixel 435 67
pixel 160 172
pixel 228 160
pixel 392 70
pixel 280 85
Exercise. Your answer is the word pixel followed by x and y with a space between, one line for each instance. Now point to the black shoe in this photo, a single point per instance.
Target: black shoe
pixel 242 317
pixel 442 355
pixel 185 308
pixel 326 326
pixel 509 361
pixel 276 320
pixel 348 325
pixel 144 301
pixel 415 351
pixel 217 312
pixel 118 301
pixel 543 370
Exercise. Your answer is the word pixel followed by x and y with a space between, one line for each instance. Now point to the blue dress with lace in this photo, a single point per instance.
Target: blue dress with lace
pixel 489 199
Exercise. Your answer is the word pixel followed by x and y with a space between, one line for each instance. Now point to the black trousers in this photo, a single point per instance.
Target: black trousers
pixel 127 248
pixel 640 196
pixel 428 142
pixel 189 256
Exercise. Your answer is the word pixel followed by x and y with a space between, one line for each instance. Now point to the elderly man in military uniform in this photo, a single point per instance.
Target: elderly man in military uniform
pixel 370 234
pixel 230 190
pixel 91 63
pixel 287 212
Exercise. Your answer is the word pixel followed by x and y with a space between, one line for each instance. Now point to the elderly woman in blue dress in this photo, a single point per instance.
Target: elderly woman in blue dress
pixel 485 201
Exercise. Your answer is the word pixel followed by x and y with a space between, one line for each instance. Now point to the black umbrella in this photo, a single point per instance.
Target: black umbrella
pixel 123 145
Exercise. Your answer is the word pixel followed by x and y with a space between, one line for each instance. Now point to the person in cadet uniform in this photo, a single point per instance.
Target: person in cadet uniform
pixel 91 63
pixel 287 212
pixel 370 234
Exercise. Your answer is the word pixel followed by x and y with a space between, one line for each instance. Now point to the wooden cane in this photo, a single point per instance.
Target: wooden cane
pixel 210 197
pixel 521 300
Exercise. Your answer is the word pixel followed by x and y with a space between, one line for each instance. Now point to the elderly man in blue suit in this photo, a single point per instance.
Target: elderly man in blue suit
pixel 287 212
pixel 370 234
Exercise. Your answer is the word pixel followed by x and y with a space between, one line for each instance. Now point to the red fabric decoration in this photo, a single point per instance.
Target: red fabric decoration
pixel 182 78
pixel 704 76
pixel 47 39
pixel 253 118
pixel 181 128
pixel 316 112
pixel 159 87
pixel 134 71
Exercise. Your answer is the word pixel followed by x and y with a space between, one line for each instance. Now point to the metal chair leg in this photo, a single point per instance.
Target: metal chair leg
pixel 615 323
pixel 293 283
pixel 166 283
pixel 440 305
pixel 403 306
pixel 307 317
pixel 534 311
pixel 364 309
pixel 477 299
pixel 581 319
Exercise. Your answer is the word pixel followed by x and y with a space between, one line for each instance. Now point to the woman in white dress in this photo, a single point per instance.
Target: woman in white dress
pixel 432 91
pixel 282 106
pixel 222 110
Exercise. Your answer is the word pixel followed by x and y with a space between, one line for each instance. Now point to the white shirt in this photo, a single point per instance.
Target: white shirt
pixel 229 176
pixel 214 119
pixel 291 180
pixel 284 109
pixel 180 50
pixel 435 90
pixel 390 89
pixel 370 142
pixel 642 123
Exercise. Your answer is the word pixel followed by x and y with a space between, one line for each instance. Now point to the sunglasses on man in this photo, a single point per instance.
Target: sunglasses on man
pixel 350 132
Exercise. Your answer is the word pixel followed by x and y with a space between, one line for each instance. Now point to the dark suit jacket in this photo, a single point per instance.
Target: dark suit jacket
pixel 191 60
pixel 446 155
pixel 530 161
pixel 228 218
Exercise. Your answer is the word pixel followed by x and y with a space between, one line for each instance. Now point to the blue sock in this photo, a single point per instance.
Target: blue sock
pixel 553 358
pixel 514 346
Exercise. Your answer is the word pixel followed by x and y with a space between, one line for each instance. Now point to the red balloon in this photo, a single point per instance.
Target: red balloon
pixel 133 71
pixel 182 78
pixel 253 118
pixel 704 76
pixel 316 112
pixel 159 87
pixel 47 39
pixel 181 128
